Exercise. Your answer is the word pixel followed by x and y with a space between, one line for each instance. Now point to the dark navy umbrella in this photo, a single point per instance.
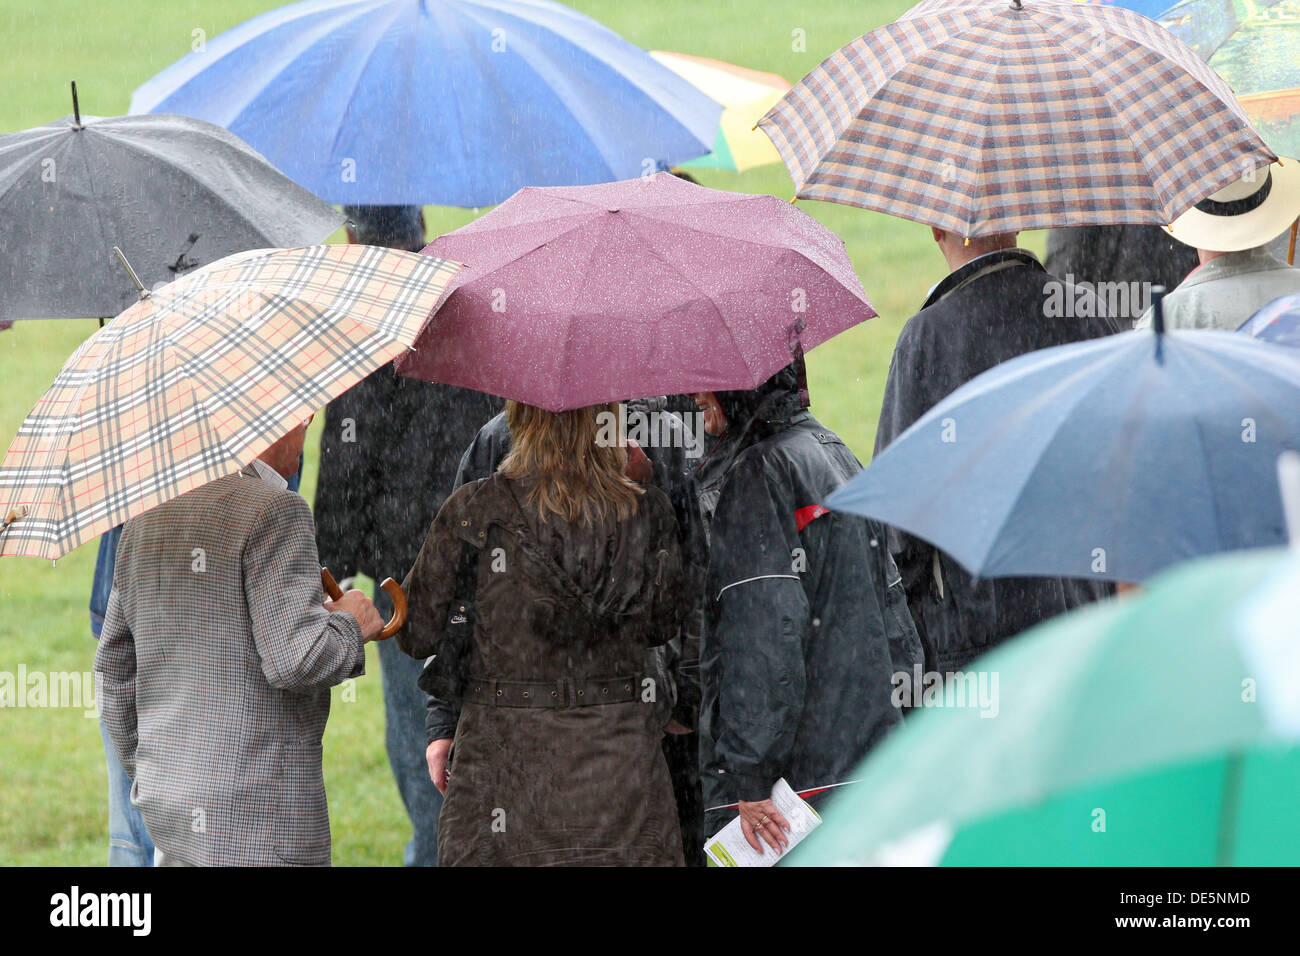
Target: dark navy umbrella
pixel 172 192
pixel 1279 321
pixel 438 102
pixel 1111 458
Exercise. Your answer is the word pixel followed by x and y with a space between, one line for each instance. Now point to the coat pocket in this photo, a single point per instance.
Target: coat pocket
pixel 302 826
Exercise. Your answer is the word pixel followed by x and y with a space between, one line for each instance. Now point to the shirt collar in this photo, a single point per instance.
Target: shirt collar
pixel 981 266
pixel 268 474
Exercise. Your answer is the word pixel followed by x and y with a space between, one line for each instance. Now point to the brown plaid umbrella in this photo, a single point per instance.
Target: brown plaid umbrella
pixel 199 377
pixel 987 116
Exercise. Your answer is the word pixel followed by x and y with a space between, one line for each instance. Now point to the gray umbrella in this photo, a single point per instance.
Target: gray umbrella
pixel 173 192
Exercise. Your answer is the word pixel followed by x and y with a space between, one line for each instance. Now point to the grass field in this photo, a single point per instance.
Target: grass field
pixel 52 802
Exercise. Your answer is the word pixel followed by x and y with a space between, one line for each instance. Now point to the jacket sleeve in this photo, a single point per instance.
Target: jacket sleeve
pixel 759 619
pixel 905 649
pixel 115 695
pixel 905 401
pixel 303 646
pixel 440 719
pixel 430 585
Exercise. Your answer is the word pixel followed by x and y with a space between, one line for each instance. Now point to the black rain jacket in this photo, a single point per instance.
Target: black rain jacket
pixel 805 616
pixel 990 310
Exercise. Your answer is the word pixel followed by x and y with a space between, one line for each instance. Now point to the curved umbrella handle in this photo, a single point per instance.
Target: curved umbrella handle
pixel 395 623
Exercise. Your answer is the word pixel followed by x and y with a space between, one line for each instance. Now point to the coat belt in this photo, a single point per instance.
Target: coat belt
pixel 560 693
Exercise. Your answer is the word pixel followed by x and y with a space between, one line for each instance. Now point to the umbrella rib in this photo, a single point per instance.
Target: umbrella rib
pixel 210 192
pixel 1049 395
pixel 1127 129
pixel 39 152
pixel 611 173
pixel 279 73
pixel 398 10
pixel 701 294
pixel 105 243
pixel 614 67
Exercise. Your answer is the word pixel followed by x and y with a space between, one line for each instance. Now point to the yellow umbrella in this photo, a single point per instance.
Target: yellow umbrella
pixel 745 96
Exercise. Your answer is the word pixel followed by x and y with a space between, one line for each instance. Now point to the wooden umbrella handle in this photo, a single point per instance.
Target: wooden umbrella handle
pixel 394 590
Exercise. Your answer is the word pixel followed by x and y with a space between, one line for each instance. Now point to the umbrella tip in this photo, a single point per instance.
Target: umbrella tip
pixel 1158 309
pixel 1016 5
pixel 76 108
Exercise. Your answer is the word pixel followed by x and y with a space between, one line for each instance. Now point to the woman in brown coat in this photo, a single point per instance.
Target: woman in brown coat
pixel 557 759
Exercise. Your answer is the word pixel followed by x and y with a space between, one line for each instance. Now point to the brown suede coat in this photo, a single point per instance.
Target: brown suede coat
pixel 561 784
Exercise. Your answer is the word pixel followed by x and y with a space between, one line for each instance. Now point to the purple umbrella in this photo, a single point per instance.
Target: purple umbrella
pixel 572 296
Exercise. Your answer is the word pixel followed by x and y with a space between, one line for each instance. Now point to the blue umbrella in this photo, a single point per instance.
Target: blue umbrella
pixel 451 102
pixel 1110 458
pixel 1148 8
pixel 1279 321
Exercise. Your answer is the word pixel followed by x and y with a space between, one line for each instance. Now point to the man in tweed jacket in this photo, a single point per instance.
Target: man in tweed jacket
pixel 215 663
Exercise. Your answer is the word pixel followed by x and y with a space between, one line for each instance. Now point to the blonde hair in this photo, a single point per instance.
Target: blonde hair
pixel 576 476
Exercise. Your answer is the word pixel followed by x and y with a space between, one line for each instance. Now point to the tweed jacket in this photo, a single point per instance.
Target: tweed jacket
pixel 214 669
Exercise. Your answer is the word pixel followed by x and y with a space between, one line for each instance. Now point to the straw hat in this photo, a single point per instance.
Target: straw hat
pixel 1242 215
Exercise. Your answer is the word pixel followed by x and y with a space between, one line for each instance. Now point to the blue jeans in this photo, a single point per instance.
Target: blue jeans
pixel 128 841
pixel 405 739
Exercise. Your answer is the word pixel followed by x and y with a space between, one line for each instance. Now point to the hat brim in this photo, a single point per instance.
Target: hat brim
pixel 1255 228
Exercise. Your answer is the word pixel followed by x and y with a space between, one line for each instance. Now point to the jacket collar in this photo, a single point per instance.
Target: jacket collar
pixel 260 469
pixel 979 267
pixel 1232 264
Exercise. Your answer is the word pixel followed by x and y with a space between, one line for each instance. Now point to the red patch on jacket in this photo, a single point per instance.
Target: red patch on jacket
pixel 806 515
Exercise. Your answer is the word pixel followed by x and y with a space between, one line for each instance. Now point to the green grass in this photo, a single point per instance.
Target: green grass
pixel 52 799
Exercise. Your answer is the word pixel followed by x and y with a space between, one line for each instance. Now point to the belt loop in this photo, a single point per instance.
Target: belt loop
pixel 494 691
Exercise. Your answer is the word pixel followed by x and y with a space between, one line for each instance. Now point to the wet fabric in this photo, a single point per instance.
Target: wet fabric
pixel 557 604
pixel 388 457
pixel 990 310
pixel 175 193
pixel 803 628
pixel 1130 254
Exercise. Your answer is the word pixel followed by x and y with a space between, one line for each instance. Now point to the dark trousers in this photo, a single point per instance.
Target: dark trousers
pixel 682 753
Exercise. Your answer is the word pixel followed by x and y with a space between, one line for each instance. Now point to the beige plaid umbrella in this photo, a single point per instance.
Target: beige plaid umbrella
pixel 987 116
pixel 196 379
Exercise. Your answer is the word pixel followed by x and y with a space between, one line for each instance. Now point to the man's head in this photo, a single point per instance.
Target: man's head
pixel 957 251
pixel 396 227
pixel 284 455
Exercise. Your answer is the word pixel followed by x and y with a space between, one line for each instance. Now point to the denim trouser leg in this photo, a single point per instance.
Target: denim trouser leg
pixel 404 710
pixel 128 841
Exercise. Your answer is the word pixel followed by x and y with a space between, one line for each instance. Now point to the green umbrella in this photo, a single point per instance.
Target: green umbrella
pixel 1161 729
